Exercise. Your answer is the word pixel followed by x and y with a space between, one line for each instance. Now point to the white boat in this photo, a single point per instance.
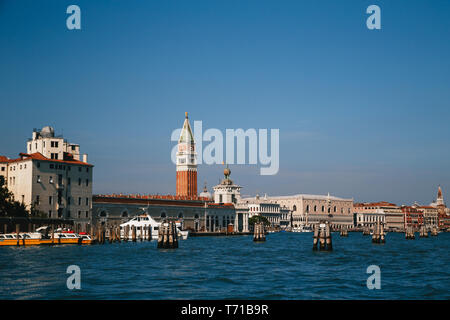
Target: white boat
pixel 144 220
pixel 302 228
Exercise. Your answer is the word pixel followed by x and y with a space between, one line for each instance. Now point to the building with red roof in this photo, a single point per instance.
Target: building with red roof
pixel 51 179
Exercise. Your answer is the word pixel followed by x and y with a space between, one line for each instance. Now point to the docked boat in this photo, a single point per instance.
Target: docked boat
pixel 142 222
pixel 302 228
pixel 41 237
pixel 86 238
pixel 25 239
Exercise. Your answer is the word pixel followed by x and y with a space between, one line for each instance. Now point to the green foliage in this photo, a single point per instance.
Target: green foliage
pixel 257 219
pixel 9 207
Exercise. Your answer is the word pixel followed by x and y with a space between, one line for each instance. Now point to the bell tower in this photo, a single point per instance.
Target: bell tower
pixel 186 162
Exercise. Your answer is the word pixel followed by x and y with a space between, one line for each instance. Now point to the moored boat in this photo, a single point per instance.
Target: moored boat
pixel 145 221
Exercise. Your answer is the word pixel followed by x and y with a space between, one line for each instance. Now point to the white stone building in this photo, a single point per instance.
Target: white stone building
pixel 309 209
pixel 60 187
pixel 278 215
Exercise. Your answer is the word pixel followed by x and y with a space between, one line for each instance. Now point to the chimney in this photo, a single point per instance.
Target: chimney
pixel 85 158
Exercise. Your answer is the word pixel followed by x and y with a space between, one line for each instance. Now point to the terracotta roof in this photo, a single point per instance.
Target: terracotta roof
pixel 375 204
pixel 40 157
pixel 4 159
pixel 152 197
pixel 426 207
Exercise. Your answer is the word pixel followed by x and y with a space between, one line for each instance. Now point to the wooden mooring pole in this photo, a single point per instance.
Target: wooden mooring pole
pixel 259 232
pixel 316 236
pixel 168 235
pixel 322 235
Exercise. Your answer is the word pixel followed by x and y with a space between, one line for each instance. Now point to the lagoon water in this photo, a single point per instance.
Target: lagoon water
pixel 283 267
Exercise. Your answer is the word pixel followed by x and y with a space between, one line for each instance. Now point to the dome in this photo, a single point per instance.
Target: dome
pixel 205 193
pixel 47 131
pixel 226 172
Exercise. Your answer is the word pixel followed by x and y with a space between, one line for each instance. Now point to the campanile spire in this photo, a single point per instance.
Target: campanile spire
pixel 186 162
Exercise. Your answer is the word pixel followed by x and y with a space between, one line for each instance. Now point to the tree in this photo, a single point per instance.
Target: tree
pixel 9 207
pixel 257 219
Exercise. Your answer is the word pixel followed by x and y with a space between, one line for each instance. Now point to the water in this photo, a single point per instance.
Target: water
pixel 284 267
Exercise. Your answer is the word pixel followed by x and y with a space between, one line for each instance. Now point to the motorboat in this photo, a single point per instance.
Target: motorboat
pixel 302 228
pixel 142 223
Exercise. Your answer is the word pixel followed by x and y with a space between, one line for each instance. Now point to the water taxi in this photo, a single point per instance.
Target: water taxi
pixel 145 220
pixel 86 238
pixel 41 237
pixel 25 239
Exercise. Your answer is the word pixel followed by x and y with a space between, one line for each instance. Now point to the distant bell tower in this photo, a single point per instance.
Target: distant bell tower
pixel 440 198
pixel 186 162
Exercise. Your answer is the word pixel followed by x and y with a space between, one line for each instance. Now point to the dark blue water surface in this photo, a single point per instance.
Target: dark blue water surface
pixel 283 267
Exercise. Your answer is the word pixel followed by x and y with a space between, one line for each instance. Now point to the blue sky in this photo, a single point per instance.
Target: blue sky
pixel 361 113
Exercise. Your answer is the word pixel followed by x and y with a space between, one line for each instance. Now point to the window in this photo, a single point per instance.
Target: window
pixel 68 181
pixel 68 213
pixel 3 168
pixel 68 200
pixel 124 214
pixel 323 209
pixel 180 215
pixel 87 169
pixel 79 169
pixel 79 181
pixel 54 144
pixel 50 200
pixel 87 182
pixel 87 201
pixel 38 201
pixel 334 209
pixel 87 214
pixel 38 164
pixel 79 214
pixel 307 208
pixel 163 214
pixel 73 148
pixel 50 213
pixel 79 201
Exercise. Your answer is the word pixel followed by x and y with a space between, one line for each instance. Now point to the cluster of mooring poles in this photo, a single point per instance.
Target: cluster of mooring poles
pixel 344 232
pixel 322 235
pixel 423 232
pixel 409 233
pixel 259 234
pixel 366 231
pixel 168 235
pixel 434 231
pixel 378 235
